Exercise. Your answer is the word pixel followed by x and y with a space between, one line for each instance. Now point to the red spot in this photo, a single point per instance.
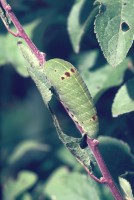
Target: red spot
pixel 67 74
pixel 94 117
pixel 73 70
pixel 62 78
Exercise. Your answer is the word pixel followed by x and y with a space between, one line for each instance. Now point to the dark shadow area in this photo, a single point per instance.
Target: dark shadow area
pixel 120 127
pixel 100 62
pixel 85 11
pixel 130 88
pixel 116 158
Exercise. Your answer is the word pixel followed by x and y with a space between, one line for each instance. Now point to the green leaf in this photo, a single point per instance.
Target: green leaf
pixel 24 147
pixel 124 99
pixel 71 186
pixel 114 27
pixel 36 72
pixel 100 79
pixel 24 181
pixel 126 187
pixel 106 193
pixel 26 196
pixel 83 155
pixel 78 23
pixel 20 121
pixel 117 155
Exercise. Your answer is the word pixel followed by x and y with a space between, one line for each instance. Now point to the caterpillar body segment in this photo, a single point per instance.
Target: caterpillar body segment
pixel 73 93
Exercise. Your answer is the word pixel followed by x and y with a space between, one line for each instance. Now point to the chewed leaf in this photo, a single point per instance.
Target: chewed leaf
pixel 115 29
pixel 42 84
pixel 36 72
pixel 76 146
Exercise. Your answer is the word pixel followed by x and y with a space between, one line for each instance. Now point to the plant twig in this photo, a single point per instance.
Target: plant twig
pixel 107 179
pixel 20 32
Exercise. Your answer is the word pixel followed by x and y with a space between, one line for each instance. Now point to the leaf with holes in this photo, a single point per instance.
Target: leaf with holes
pixel 62 76
pixel 77 146
pixel 114 27
pixel 36 72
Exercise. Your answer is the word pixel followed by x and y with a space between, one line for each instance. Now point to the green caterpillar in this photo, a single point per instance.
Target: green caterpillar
pixel 69 87
pixel 73 93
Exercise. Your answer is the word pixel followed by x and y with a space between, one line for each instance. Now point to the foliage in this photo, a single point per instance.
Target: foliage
pixel 114 26
pixel 126 188
pixel 127 93
pixel 33 159
pixel 71 185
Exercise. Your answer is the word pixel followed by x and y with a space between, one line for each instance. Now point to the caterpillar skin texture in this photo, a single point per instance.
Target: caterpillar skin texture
pixel 73 93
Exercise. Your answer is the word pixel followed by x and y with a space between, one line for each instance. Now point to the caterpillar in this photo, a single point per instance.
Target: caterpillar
pixel 69 87
pixel 73 93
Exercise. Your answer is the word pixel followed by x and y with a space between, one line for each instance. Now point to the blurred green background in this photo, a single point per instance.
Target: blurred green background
pixel 34 163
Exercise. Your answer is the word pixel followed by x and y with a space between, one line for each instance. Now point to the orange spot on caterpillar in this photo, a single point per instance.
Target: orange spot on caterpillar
pixel 94 117
pixel 67 74
pixel 73 70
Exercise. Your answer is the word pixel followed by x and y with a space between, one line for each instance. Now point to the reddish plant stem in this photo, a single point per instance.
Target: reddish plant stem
pixel 21 33
pixel 81 131
pixel 107 179
pixel 92 143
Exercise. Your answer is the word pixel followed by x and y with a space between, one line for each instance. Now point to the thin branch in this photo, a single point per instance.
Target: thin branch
pixel 106 177
pixel 93 145
pixel 20 32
